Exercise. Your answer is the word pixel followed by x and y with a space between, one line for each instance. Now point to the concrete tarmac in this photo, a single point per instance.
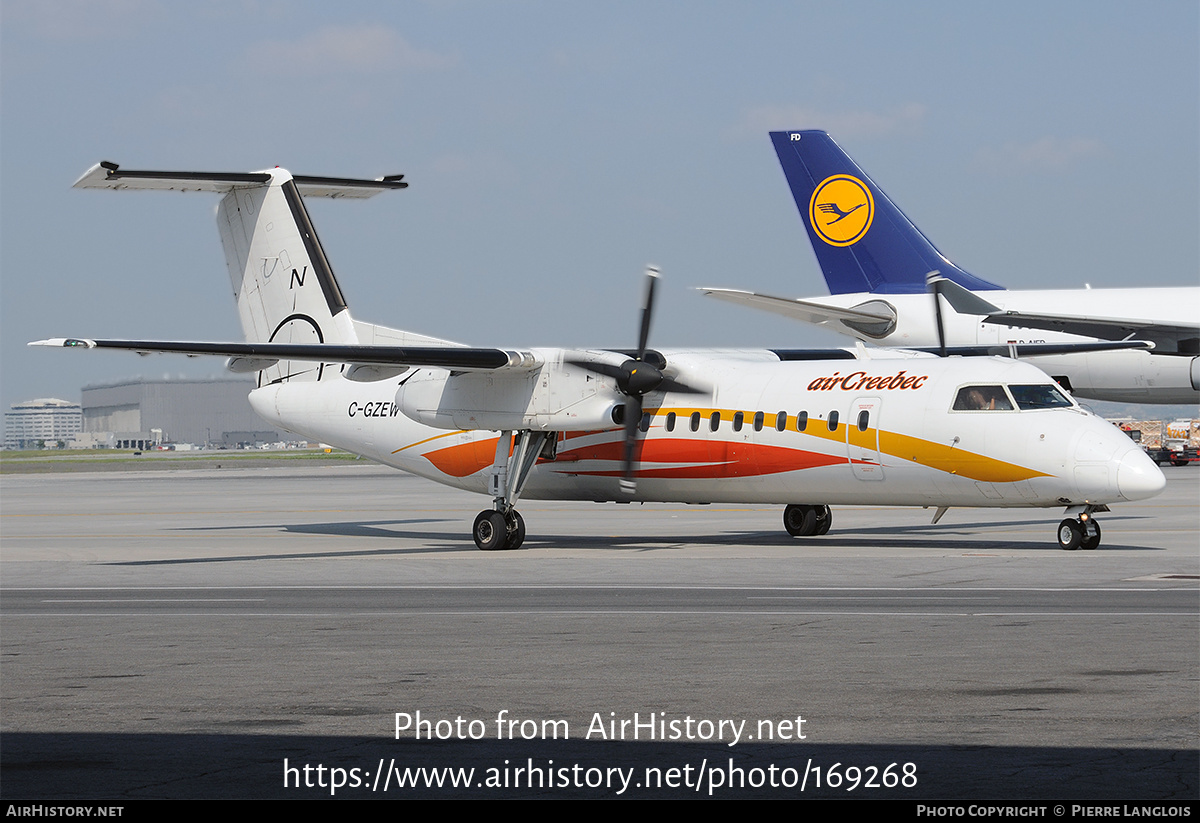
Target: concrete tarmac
pixel 262 632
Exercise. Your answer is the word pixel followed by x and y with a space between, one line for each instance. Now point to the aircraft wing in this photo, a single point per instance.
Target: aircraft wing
pixel 816 313
pixel 256 356
pixel 1166 336
pixel 1020 350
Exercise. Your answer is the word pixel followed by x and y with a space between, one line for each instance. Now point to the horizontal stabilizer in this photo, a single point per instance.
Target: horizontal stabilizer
pixel 107 175
pixel 809 312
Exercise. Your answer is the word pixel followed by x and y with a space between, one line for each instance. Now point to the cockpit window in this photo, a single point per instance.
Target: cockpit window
pixel 982 398
pixel 1039 397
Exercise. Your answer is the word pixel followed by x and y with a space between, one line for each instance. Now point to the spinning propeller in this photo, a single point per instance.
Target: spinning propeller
pixel 638 376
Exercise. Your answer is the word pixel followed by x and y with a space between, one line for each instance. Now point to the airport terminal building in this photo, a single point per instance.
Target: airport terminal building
pixel 36 424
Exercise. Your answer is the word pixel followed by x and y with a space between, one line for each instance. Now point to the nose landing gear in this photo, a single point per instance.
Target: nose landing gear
pixel 1081 531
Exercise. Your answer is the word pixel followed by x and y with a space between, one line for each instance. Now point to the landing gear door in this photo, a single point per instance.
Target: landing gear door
pixel 862 439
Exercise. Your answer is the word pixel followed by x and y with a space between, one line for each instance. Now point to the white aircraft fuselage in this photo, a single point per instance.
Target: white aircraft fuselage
pixel 911 448
pixel 1137 376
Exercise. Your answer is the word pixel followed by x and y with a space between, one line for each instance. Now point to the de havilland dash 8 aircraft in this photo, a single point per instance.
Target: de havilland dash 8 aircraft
pixel 804 429
pixel 876 264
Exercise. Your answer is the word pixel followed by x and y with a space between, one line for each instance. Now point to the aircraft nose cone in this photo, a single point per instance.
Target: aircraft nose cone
pixel 1138 477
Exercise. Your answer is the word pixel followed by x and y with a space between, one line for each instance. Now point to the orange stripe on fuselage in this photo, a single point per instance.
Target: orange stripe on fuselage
pixel 464 459
pixel 710 458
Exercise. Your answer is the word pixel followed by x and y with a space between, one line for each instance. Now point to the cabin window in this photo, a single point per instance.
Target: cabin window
pixel 982 398
pixel 646 418
pixel 695 421
pixel 801 421
pixel 833 418
pixel 714 422
pixel 1039 397
pixel 738 419
pixel 758 421
pixel 864 417
pixel 781 421
pixel 671 421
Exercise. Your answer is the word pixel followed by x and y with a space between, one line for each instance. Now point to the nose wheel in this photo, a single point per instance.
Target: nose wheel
pixel 1081 532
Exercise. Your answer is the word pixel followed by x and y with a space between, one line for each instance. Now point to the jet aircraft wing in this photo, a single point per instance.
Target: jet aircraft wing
pixel 1165 336
pixel 1018 350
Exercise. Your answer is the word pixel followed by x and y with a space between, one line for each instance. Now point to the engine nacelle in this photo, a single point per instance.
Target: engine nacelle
pixel 556 397
pixel 1132 376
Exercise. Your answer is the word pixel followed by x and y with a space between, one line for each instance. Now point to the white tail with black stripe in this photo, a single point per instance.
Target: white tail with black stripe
pixel 285 288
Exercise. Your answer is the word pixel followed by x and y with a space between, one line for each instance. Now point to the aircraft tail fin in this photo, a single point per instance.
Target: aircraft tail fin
pixel 863 242
pixel 285 288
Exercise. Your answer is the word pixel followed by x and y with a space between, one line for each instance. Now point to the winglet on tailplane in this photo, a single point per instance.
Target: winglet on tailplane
pixel 863 242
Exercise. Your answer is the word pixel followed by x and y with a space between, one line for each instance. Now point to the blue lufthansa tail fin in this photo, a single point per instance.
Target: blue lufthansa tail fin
pixel 863 242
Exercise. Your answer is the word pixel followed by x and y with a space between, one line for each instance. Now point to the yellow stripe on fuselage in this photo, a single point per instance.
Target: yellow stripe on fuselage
pixel 906 447
pixel 952 460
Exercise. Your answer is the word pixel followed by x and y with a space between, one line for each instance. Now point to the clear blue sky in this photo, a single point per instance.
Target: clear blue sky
pixel 556 148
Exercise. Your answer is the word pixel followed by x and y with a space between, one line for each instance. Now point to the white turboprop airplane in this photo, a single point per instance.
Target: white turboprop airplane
pixel 876 263
pixel 800 428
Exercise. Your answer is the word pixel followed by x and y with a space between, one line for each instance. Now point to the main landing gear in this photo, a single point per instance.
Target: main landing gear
pixel 1080 530
pixel 502 527
pixel 495 530
pixel 807 521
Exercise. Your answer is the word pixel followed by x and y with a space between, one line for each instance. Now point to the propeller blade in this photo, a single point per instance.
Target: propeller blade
pixel 635 378
pixel 614 370
pixel 670 384
pixel 641 382
pixel 647 311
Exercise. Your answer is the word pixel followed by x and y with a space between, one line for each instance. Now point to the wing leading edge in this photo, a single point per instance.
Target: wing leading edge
pixel 254 355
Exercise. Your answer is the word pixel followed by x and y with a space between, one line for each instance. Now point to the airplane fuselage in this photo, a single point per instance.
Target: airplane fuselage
pixel 1133 375
pixel 867 431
